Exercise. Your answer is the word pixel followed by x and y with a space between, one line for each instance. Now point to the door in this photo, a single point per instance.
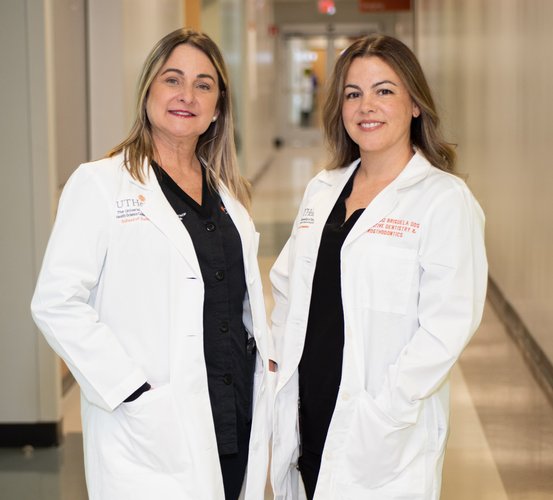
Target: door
pixel 307 60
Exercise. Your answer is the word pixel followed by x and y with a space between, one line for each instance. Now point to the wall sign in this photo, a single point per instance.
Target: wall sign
pixel 383 5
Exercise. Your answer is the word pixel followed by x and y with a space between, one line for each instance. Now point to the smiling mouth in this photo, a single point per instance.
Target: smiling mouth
pixel 370 125
pixel 183 114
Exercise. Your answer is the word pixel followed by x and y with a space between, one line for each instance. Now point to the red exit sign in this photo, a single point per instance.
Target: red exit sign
pixel 383 5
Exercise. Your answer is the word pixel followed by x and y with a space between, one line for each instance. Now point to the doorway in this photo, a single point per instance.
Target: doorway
pixel 307 55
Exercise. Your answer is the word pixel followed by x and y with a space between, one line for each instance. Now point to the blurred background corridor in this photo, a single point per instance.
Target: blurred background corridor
pixel 69 69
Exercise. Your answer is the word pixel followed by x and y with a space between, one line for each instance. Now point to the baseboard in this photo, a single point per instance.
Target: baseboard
pixel 39 435
pixel 539 364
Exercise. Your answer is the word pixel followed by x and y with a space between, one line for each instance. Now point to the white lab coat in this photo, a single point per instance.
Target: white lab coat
pixel 120 299
pixel 414 274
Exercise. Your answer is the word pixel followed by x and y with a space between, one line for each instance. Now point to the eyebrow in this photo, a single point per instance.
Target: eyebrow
pixel 374 85
pixel 180 72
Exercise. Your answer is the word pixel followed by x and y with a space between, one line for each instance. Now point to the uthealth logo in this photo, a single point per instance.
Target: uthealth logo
pixel 131 202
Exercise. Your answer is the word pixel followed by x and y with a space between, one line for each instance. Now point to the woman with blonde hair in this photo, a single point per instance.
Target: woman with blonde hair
pixel 150 291
pixel 377 291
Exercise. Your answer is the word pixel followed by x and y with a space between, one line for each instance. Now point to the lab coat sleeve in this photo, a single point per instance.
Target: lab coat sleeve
pixel 451 301
pixel 280 281
pixel 61 305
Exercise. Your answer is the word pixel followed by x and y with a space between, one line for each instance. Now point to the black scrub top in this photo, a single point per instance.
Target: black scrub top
pixel 229 354
pixel 320 368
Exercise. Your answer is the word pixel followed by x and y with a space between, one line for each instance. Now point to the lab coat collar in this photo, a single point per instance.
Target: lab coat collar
pixel 415 171
pixel 244 225
pixel 158 210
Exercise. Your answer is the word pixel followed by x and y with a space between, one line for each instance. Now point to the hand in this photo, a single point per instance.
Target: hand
pixel 136 394
pixel 273 366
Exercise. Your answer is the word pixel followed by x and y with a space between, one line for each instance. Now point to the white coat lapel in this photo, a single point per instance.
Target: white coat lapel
pixel 415 170
pixel 323 202
pixel 381 206
pixel 244 226
pixel 158 210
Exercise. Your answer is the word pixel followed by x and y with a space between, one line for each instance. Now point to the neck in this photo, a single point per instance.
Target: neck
pixel 384 166
pixel 176 157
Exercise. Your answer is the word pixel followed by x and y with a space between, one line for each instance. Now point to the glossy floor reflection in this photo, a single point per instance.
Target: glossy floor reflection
pixel 501 442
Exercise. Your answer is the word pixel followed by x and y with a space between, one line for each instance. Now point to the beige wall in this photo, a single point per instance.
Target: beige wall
pixel 490 64
pixel 258 87
pixel 43 138
pixel 241 29
pixel 120 35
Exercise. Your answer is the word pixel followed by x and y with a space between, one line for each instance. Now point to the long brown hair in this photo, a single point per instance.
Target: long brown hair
pixel 425 129
pixel 215 146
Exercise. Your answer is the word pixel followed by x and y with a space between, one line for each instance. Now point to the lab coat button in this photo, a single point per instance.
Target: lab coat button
pixel 220 275
pixel 345 396
pixel 210 227
pixel 227 378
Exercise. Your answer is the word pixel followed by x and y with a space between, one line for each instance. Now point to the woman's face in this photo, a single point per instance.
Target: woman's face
pixel 183 96
pixel 377 109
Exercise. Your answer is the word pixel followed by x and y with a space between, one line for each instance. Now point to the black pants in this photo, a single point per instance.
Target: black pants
pixel 309 465
pixel 233 467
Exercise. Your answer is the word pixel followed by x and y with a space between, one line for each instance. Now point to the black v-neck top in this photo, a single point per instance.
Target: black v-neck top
pixel 229 353
pixel 320 368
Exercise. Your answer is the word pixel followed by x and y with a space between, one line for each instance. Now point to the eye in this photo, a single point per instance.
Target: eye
pixel 352 95
pixel 385 92
pixel 171 80
pixel 203 86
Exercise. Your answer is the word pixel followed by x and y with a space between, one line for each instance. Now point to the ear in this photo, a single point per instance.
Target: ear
pixel 416 110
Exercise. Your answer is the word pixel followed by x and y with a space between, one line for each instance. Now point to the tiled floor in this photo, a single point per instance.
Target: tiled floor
pixel 501 442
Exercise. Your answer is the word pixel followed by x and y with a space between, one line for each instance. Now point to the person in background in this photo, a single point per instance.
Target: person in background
pixel 150 291
pixel 307 97
pixel 379 288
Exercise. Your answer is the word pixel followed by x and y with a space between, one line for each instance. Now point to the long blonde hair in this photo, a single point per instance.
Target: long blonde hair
pixel 215 147
pixel 425 129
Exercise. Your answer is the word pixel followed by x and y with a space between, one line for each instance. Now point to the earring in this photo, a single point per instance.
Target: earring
pixel 214 119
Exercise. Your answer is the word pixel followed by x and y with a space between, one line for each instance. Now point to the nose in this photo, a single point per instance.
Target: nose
pixel 367 103
pixel 186 94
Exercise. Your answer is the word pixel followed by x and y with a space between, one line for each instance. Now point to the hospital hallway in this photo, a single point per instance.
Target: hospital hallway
pixel 68 95
pixel 501 441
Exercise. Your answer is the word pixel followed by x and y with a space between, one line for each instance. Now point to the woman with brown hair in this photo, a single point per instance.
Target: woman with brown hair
pixel 378 290
pixel 150 291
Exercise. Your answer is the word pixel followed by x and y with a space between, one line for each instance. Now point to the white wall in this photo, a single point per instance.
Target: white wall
pixel 490 63
pixel 28 368
pixel 69 74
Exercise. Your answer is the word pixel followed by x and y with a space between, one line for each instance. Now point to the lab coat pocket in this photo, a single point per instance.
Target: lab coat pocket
pixel 153 428
pixel 379 449
pixel 386 277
